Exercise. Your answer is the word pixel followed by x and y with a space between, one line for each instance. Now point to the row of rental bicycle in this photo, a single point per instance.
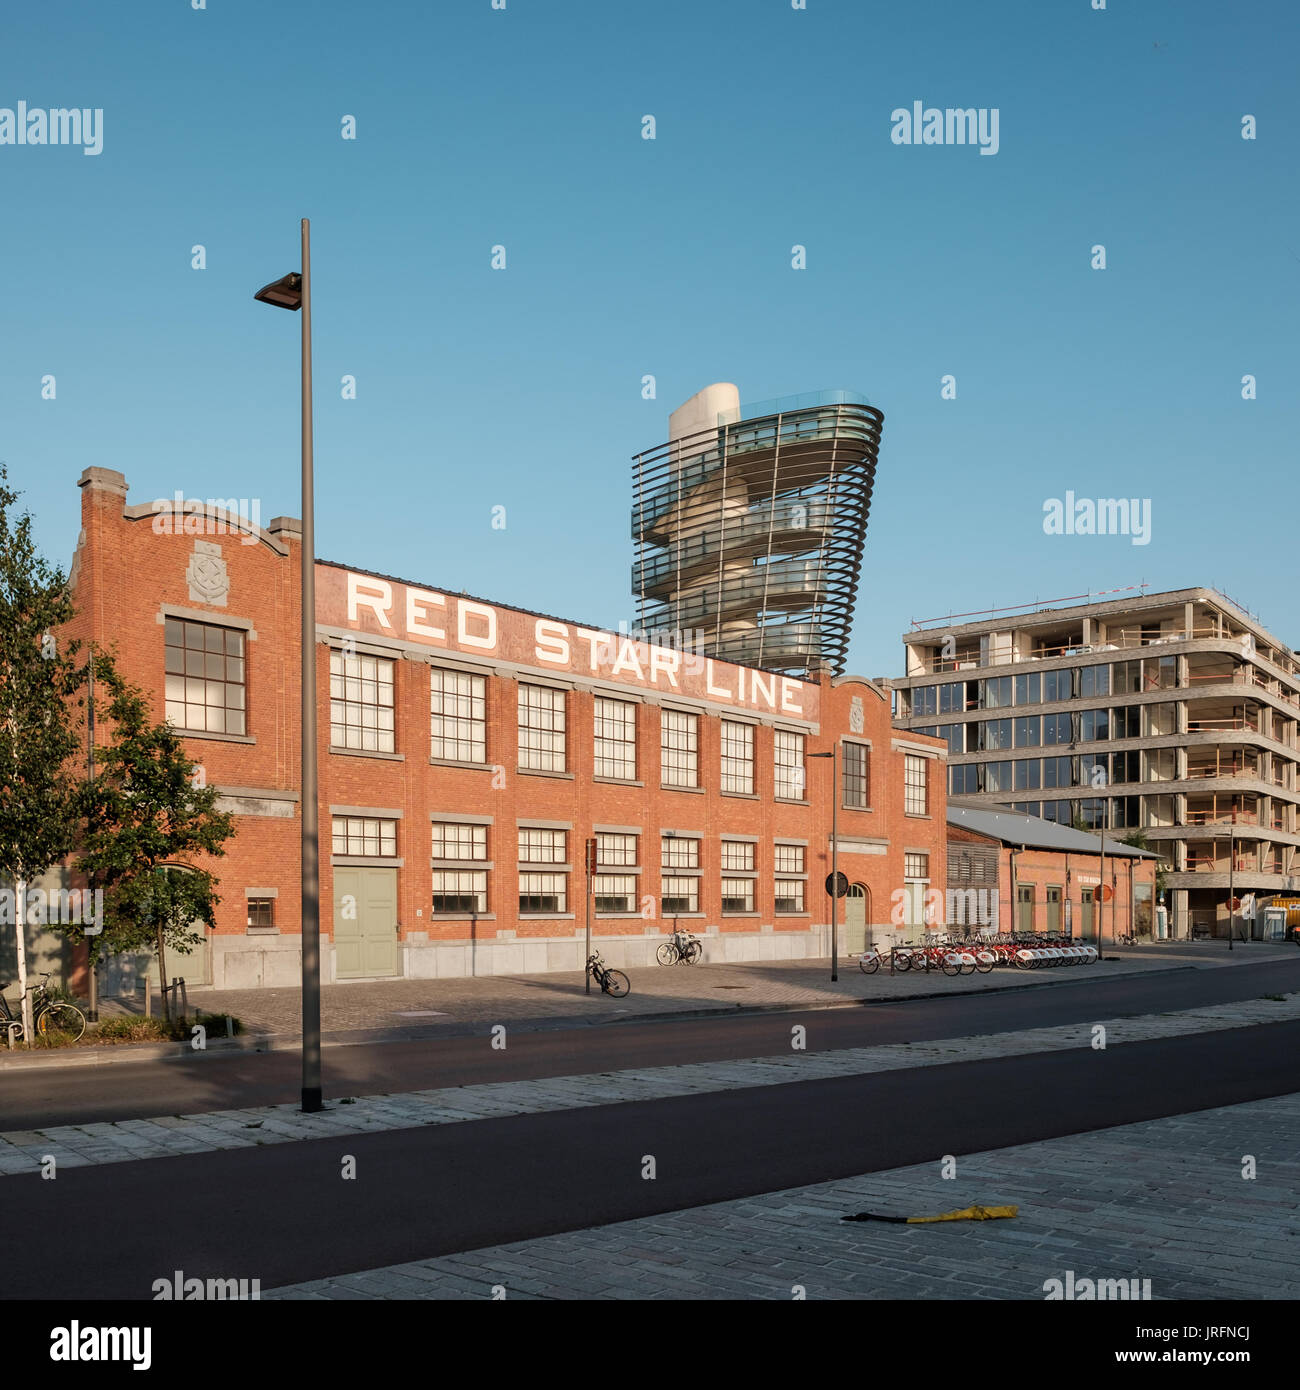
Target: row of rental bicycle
pixel 965 957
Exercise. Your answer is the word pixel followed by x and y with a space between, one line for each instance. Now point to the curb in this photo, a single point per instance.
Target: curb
pixel 125 1053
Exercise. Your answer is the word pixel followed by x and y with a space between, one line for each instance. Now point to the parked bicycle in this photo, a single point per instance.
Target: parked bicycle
pixel 872 959
pixel 613 982
pixel 54 1018
pixel 680 946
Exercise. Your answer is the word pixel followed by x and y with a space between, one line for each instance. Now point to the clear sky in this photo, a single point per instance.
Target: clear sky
pixel 626 257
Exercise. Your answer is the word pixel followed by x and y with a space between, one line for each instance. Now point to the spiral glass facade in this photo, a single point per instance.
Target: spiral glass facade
pixel 749 532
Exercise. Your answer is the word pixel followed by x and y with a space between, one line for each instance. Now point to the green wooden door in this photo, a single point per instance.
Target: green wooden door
pixel 1054 909
pixel 365 923
pixel 1085 914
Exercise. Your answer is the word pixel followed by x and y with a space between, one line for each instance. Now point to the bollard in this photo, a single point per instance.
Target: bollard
pixel 14 1029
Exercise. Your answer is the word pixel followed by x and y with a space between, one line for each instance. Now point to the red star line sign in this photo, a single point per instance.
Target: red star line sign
pixel 388 609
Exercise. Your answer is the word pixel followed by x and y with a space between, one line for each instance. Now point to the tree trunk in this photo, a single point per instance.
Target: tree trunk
pixel 20 935
pixel 162 978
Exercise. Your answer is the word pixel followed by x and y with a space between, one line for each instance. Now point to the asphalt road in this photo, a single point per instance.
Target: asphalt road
pixel 283 1213
pixel 214 1081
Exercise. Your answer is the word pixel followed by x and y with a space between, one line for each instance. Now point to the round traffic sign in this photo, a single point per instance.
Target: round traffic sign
pixel 1107 892
pixel 837 885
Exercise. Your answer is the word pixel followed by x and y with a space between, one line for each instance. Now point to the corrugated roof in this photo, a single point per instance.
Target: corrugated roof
pixel 1016 828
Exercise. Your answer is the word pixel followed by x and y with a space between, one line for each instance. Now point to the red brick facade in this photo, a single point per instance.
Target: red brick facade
pixel 135 569
pixel 1033 872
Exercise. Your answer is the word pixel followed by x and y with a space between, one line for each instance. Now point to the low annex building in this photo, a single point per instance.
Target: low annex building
pixel 468 752
pixel 1011 872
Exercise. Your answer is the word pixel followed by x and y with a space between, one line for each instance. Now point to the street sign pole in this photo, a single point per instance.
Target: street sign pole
pixel 591 873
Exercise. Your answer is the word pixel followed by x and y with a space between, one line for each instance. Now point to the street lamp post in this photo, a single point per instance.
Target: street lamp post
pixel 833 755
pixel 1232 878
pixel 1101 892
pixel 293 292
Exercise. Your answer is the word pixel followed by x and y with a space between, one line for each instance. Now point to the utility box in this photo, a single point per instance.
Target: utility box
pixel 1162 922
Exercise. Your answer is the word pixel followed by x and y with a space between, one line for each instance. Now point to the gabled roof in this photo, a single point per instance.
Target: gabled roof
pixel 1016 828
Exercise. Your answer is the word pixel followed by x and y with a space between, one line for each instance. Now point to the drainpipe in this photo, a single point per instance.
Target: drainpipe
pixel 1067 908
pixel 1101 894
pixel 1015 886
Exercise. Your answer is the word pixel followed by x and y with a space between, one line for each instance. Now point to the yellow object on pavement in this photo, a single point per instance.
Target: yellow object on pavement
pixel 968 1214
pixel 965 1214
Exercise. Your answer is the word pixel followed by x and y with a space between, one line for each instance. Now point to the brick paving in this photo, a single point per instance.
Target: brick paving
pixel 383 1008
pixel 1163 1200
pixel 76 1145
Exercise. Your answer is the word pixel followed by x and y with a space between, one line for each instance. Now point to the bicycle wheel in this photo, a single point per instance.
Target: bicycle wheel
pixel 61 1022
pixel 615 984
pixel 902 960
pixel 666 954
pixel 982 965
pixel 868 963
pixel 693 953
pixel 951 965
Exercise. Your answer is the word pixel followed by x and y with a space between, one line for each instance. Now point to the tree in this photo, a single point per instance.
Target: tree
pixel 147 815
pixel 39 681
pixel 1138 839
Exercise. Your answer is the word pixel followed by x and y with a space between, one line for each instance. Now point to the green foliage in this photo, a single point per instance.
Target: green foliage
pixel 216 1024
pixel 1138 840
pixel 39 685
pixel 129 1028
pixel 126 1028
pixel 145 821
pixel 45 1041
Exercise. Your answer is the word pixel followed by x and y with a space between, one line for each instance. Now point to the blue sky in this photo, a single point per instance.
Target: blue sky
pixel 627 257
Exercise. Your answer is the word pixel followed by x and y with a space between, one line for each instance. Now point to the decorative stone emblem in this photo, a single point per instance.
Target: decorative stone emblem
pixel 855 715
pixel 208 579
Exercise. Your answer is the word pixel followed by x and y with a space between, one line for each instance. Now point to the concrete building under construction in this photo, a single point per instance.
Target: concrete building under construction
pixel 1176 713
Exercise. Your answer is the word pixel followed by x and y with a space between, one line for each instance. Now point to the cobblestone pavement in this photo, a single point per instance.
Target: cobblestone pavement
pixel 1163 1200
pixel 420 1007
pixel 114 1142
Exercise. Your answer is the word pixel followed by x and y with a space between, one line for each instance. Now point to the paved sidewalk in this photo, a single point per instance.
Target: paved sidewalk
pixel 120 1141
pixel 393 1008
pixel 1163 1200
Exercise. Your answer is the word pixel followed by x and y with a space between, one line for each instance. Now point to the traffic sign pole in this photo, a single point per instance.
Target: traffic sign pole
pixel 591 873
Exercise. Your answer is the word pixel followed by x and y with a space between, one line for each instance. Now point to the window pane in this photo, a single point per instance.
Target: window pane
pixel 856 793
pixel 679 745
pixel 737 758
pixel 212 684
pixel 541 729
pixel 678 852
pixel 788 765
pixel 458 716
pixel 615 739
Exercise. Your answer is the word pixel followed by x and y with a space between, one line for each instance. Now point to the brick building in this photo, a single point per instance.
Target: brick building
pixel 1019 873
pixel 467 752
